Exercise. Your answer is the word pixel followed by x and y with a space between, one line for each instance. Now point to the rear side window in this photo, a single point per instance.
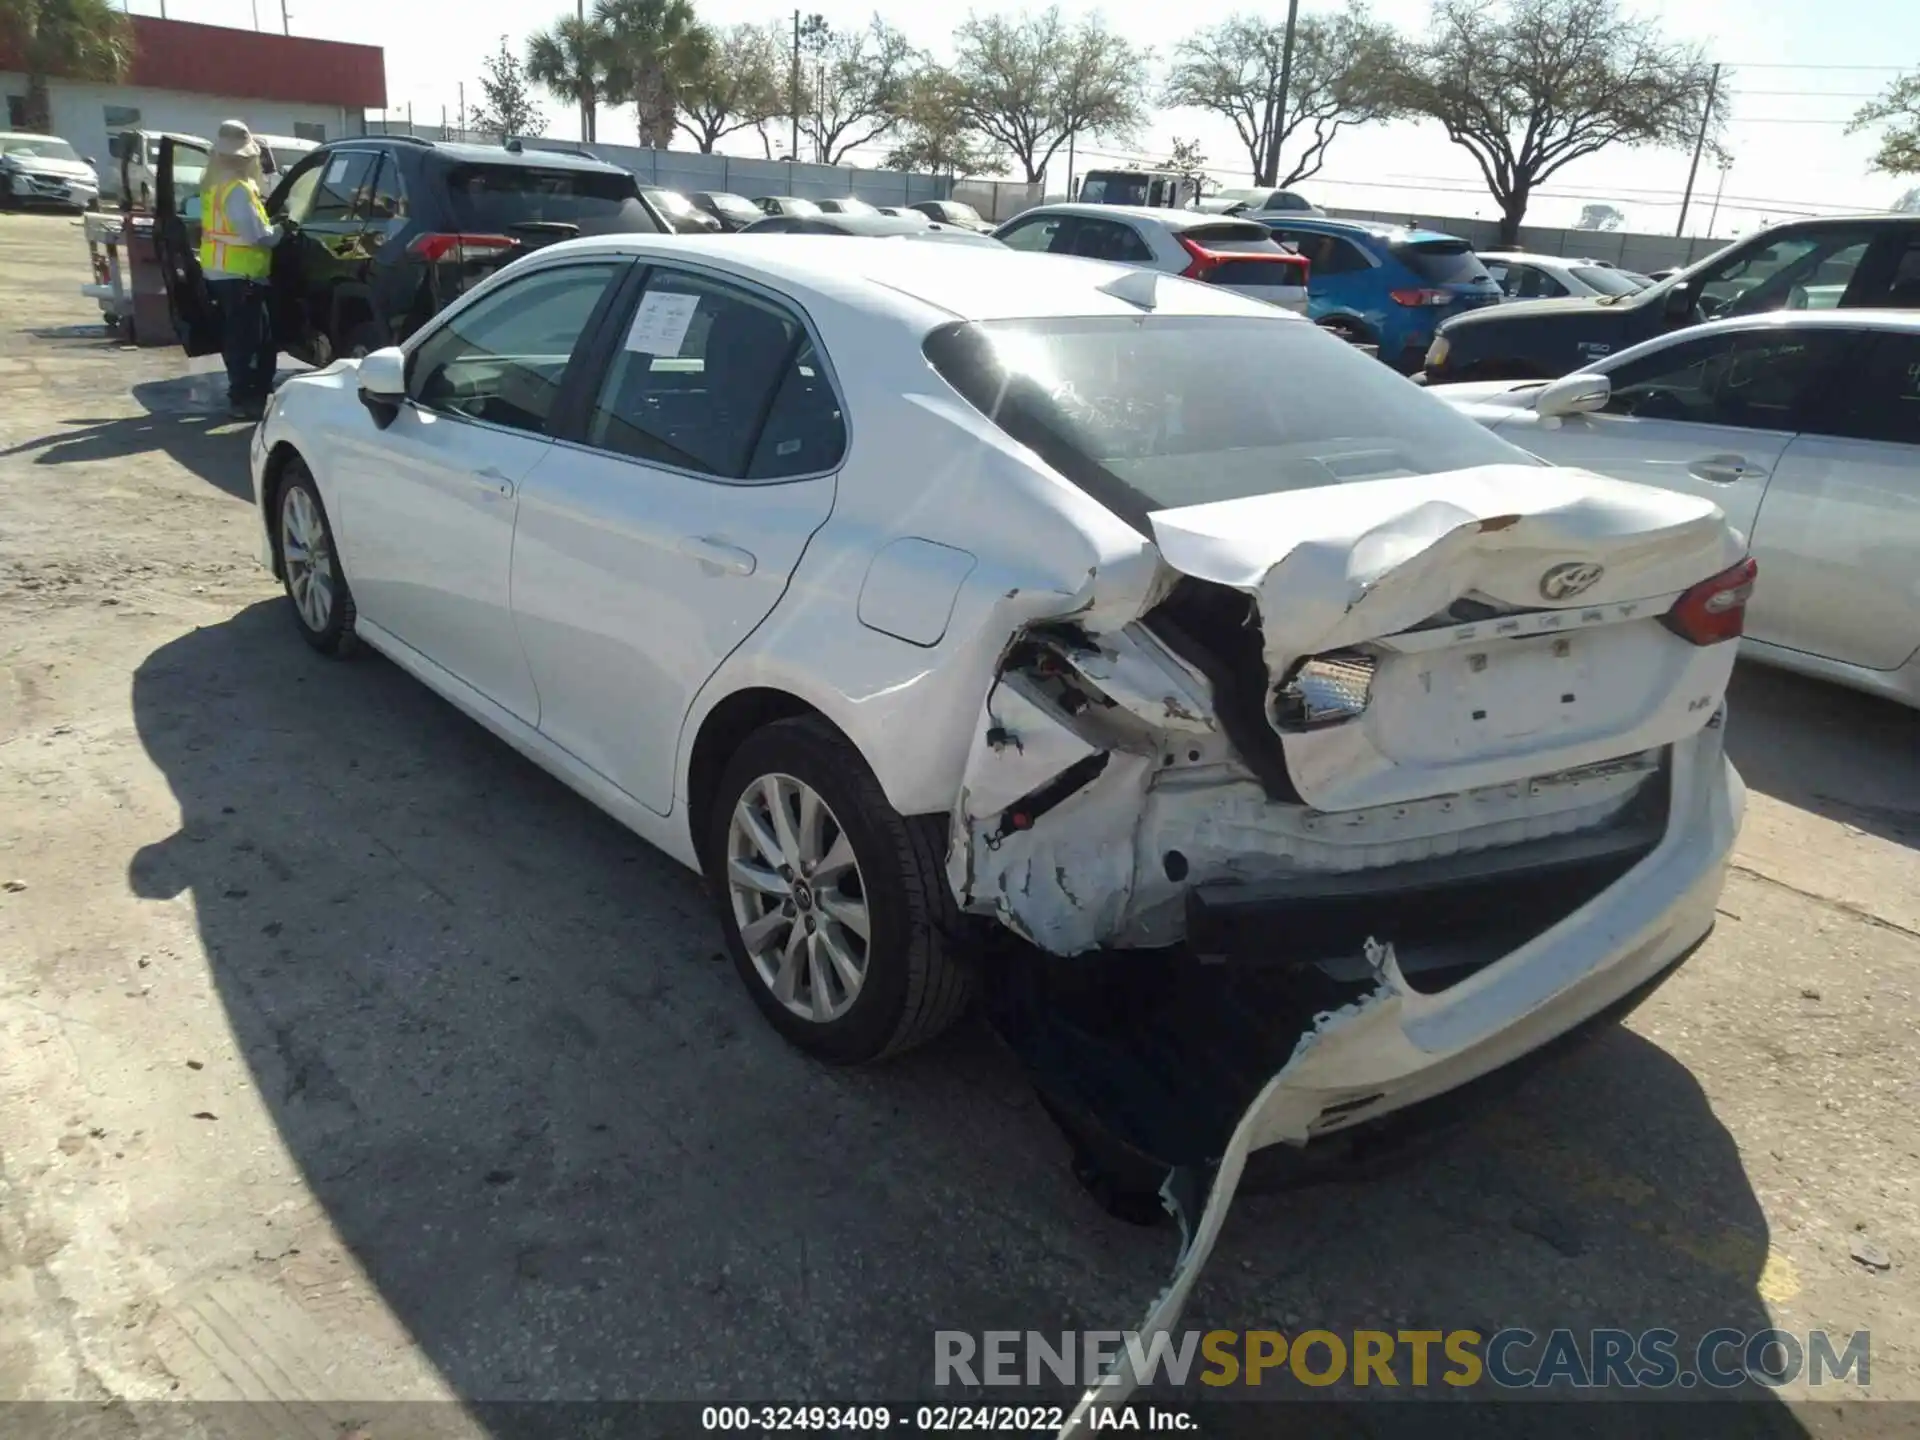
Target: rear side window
pixel 1883 396
pixel 1161 411
pixel 499 198
pixel 1256 272
pixel 1440 262
pixel 1108 240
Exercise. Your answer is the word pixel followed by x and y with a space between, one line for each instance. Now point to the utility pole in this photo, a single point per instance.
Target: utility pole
pixel 285 26
pixel 586 106
pixel 1718 191
pixel 1277 103
pixel 1699 144
pixel 463 109
pixel 1071 134
pixel 256 14
pixel 793 95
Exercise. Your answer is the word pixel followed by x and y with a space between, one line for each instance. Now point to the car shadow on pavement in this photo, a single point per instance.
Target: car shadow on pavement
pixel 186 419
pixel 1854 758
pixel 497 1035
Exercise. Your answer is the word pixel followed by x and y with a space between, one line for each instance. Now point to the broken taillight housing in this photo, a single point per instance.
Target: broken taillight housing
pixel 1323 690
pixel 1716 609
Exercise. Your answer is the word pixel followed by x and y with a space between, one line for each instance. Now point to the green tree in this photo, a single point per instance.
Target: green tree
pixel 656 51
pixel 857 85
pixel 1032 80
pixel 740 87
pixel 1899 110
pixel 1341 73
pixel 570 59
pixel 935 134
pixel 506 105
pixel 1531 86
pixel 73 39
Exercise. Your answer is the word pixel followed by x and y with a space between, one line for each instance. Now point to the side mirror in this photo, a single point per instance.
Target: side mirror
pixel 383 384
pixel 1680 303
pixel 1578 394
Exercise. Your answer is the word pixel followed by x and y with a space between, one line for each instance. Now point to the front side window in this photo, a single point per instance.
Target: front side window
pixel 1157 412
pixel 1761 381
pixel 504 358
pixel 1804 270
pixel 340 179
pixel 1107 240
pixel 719 380
pixel 387 196
pixel 1036 234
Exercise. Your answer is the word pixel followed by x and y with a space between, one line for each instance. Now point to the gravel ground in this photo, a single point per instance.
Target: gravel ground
pixel 346 1057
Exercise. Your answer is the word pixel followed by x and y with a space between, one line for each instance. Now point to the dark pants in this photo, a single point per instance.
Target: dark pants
pixel 246 338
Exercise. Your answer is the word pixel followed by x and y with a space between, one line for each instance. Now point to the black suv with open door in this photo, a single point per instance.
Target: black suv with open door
pixel 388 229
pixel 1853 261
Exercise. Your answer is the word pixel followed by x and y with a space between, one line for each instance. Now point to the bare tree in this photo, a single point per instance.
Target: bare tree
pixel 1033 80
pixel 936 134
pixel 858 85
pixel 1531 87
pixel 1899 110
pixel 738 87
pixel 1343 73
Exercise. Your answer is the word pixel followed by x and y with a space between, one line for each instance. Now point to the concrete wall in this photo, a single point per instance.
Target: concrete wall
pixel 80 115
pixel 1624 248
pixel 687 170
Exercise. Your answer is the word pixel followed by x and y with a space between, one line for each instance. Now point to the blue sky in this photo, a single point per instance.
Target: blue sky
pixel 1788 88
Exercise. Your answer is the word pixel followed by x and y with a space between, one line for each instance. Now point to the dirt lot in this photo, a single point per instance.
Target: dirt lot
pixel 344 1056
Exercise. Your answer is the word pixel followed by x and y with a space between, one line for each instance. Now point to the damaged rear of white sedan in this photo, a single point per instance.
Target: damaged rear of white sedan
pixel 1310 751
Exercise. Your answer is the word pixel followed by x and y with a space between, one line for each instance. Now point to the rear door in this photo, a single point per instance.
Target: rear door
pixel 668 523
pixel 1839 532
pixel 1110 240
pixel 176 241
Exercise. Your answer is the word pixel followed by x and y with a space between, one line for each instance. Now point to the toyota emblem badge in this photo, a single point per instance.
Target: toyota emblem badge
pixel 1576 577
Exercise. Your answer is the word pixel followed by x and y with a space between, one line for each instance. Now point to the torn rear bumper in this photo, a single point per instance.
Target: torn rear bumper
pixel 1393 1047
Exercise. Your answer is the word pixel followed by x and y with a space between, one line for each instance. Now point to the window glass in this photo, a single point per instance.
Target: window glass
pixel 387 196
pixel 1160 411
pixel 1811 271
pixel 1903 290
pixel 504 358
pixel 1497 269
pixel 693 382
pixel 1755 382
pixel 339 180
pixel 1530 282
pixel 1036 234
pixel 1607 282
pixel 1449 262
pixel 121 117
pixel 310 130
pixel 1108 240
pixel 805 432
pixel 295 198
pixel 1883 396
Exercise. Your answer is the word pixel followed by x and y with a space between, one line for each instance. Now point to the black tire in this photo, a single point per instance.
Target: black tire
pixel 336 637
pixel 918 978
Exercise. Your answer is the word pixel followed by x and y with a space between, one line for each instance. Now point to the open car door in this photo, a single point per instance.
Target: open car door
pixel 176 242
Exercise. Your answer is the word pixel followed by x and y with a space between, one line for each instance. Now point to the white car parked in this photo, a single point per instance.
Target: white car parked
pixel 1239 255
pixel 1804 427
pixel 1522 275
pixel 892 584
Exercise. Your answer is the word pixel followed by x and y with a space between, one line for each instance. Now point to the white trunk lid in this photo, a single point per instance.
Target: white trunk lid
pixel 1583 672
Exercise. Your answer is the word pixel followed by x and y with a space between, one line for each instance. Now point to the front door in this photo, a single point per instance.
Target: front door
pixel 428 504
pixel 176 243
pixel 654 543
pixel 324 256
pixel 1840 530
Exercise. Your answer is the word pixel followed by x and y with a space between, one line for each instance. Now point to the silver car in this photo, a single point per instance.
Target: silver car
pixel 1804 427
pixel 1237 254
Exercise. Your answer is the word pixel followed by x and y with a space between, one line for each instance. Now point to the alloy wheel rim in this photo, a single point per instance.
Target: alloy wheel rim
pixel 308 559
pixel 798 897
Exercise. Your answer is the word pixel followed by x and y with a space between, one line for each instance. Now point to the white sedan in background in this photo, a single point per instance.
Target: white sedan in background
pixel 905 590
pixel 1523 275
pixel 1804 427
pixel 1238 255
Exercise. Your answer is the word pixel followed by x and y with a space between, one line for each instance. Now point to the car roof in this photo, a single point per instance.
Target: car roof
pixel 1534 257
pixel 928 284
pixel 1172 219
pixel 468 154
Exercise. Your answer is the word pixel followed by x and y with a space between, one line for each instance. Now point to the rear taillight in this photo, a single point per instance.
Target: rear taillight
pixel 461 249
pixel 1716 609
pixel 1421 297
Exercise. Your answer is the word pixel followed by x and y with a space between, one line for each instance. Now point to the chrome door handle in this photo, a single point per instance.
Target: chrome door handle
pixel 728 559
pixel 494 483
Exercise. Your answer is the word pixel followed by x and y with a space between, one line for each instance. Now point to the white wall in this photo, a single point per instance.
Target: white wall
pixel 79 115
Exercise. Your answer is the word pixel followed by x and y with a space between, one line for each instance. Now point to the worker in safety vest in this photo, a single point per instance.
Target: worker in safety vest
pixel 236 256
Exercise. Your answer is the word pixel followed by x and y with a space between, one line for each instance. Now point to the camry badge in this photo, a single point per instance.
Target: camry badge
pixel 1576 577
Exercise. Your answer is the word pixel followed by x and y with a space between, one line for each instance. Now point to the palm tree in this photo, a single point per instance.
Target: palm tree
pixel 655 49
pixel 571 61
pixel 74 39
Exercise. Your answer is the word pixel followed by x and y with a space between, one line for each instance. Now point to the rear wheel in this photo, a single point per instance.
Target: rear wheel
pixel 836 907
pixel 316 586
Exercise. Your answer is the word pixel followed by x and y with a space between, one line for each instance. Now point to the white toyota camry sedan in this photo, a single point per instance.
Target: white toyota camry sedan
pixel 891 585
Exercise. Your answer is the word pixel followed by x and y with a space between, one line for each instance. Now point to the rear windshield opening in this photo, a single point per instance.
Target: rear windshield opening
pixel 1441 262
pixel 496 198
pixel 1163 411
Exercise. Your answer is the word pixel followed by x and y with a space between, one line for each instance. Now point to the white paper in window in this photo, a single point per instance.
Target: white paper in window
pixel 661 324
pixel 336 172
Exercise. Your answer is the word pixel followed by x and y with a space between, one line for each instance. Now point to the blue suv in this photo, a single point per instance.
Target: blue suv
pixel 1385 285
